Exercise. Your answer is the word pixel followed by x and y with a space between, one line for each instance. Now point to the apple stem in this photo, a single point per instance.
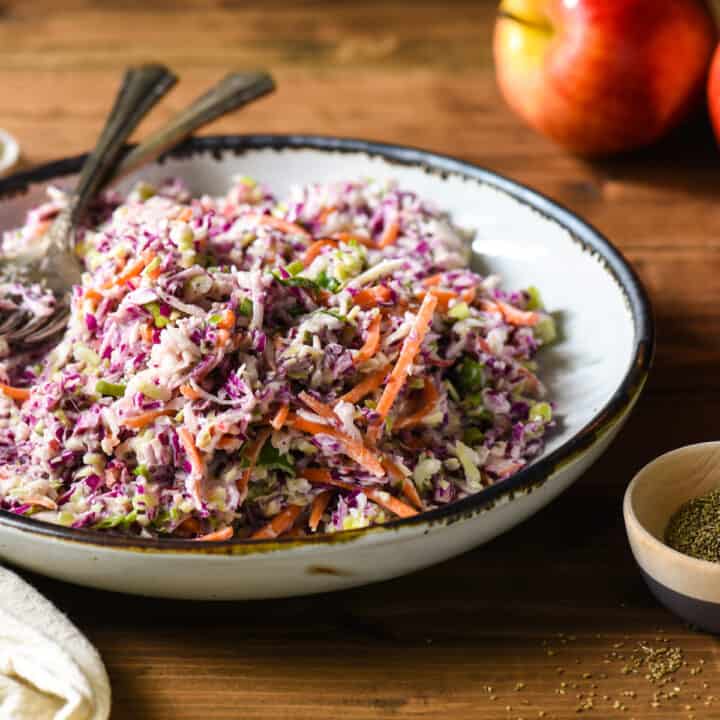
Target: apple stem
pixel 505 15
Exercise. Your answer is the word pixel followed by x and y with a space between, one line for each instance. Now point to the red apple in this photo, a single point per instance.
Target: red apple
pixel 714 93
pixel 603 76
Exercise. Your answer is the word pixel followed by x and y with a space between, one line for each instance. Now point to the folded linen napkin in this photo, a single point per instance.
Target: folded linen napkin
pixel 48 669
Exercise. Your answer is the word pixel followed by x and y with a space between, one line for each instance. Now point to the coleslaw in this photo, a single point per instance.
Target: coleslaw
pixel 244 366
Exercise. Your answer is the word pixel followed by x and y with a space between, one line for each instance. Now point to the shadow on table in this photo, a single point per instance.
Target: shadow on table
pixel 687 159
pixel 539 570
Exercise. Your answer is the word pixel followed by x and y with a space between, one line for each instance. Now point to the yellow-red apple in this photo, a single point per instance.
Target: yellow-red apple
pixel 602 76
pixel 714 93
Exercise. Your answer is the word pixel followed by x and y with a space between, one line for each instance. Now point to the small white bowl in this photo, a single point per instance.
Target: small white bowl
pixel 687 586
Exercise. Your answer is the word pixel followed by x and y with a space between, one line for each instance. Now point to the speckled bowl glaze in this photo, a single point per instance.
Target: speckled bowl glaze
pixel 595 373
pixel 687 586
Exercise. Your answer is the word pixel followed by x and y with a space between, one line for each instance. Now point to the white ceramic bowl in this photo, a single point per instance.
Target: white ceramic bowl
pixel 595 373
pixel 687 586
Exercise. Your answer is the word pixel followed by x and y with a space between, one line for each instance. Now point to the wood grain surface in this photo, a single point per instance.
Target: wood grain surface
pixel 532 625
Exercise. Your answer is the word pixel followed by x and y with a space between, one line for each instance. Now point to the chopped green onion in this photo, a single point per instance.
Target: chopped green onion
pixel 154 309
pixel 327 282
pixel 469 375
pixel 86 355
pixel 545 330
pixel 301 282
pixel 541 412
pixel 141 470
pixel 534 301
pixel 473 436
pixel 452 391
pixel 214 319
pixel 335 314
pixel 246 307
pixel 296 267
pixel 459 311
pixel 152 265
pixel 467 459
pixel 107 388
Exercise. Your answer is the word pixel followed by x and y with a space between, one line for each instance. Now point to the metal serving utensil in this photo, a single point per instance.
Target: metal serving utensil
pixel 55 265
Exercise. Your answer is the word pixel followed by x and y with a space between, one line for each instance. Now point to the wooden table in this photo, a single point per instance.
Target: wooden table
pixel 549 603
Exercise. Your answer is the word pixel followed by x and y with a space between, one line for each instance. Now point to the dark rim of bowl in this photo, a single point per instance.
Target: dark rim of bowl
pixel 525 480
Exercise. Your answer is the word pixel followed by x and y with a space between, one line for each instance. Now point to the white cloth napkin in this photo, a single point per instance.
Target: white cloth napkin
pixel 48 669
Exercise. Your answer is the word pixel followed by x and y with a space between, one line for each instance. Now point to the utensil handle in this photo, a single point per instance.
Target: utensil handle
pixel 234 91
pixel 141 89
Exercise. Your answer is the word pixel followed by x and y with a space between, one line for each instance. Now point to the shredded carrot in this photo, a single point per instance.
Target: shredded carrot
pixel 296 532
pixel 314 250
pixel 325 213
pixel 155 273
pixel 189 525
pixel 411 493
pixel 147 333
pixel 408 486
pixel 532 382
pixel 518 317
pixel 352 448
pixel 191 450
pixel 318 407
pixel 390 235
pixel 346 237
pixel 229 442
pixel 44 502
pixel 444 297
pixel 196 463
pixel 468 295
pixel 251 455
pixel 93 295
pixel 185 214
pixel 143 419
pixel 319 505
pixel 390 502
pixel 218 535
pixel 429 399
pixel 130 272
pixel 512 314
pixel 42 226
pixel 282 225
pixel 227 321
pixel 280 524
pixel 414 443
pixel 366 386
pixel 15 393
pixel 372 342
pixel 189 392
pixel 484 345
pixel 411 347
pixel 380 497
pixel 223 337
pixel 280 417
pixel 319 475
pixel 393 470
pixel 432 280
pixel 368 298
pixel 511 469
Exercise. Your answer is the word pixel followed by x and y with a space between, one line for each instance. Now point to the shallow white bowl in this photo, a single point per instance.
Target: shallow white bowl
pixel 595 373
